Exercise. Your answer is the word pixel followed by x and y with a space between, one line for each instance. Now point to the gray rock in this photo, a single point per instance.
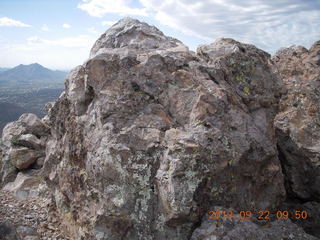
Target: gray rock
pixel 149 135
pixel 30 141
pixel 23 157
pixel 27 124
pixel 298 126
pixel 311 223
pixel 25 185
pixel 131 35
pixel 23 142
pixel 8 231
pixel 27 233
pixel 39 163
pixel 33 125
pixel 78 92
pixel 8 171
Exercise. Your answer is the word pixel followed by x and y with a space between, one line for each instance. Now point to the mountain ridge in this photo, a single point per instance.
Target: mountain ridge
pixel 32 73
pixel 3 69
pixel 27 88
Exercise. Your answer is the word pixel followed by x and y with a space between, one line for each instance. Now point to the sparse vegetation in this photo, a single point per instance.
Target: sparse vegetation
pixel 15 140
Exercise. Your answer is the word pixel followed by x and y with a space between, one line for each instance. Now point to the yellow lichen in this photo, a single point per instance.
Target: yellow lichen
pixel 68 216
pixel 246 91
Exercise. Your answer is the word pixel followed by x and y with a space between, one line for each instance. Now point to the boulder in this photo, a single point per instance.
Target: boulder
pixel 23 142
pixel 25 185
pixel 149 135
pixel 132 35
pixel 27 124
pixel 23 157
pixel 31 141
pixel 8 171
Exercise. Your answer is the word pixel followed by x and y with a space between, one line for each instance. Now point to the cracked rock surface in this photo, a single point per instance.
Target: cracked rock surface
pixel 298 129
pixel 148 137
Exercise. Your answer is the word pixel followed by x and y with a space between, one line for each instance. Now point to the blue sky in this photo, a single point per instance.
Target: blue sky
pixel 60 33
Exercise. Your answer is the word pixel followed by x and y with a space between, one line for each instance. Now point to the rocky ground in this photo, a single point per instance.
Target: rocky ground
pixel 26 219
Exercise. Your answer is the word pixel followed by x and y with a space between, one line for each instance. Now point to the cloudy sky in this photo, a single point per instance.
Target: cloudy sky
pixel 59 33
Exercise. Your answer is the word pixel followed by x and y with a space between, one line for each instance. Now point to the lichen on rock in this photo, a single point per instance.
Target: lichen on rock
pixel 298 128
pixel 149 136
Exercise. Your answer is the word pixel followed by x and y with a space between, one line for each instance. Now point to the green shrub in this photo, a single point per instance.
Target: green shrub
pixel 14 141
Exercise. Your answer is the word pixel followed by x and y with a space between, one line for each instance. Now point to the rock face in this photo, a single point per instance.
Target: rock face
pixel 298 123
pixel 151 134
pixel 298 127
pixel 130 34
pixel 148 137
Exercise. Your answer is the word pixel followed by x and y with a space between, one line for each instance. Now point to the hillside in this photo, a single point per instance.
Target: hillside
pixel 12 105
pixel 26 89
pixel 29 77
pixel 9 112
pixel 33 73
pixel 3 69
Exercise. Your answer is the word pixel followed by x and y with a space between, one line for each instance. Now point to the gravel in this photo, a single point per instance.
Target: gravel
pixel 27 219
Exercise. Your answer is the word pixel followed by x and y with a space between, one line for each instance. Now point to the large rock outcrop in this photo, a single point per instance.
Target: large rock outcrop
pixel 151 134
pixel 148 137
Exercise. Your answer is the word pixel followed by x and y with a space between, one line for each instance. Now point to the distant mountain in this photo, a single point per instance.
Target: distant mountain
pixel 26 89
pixel 31 74
pixel 4 69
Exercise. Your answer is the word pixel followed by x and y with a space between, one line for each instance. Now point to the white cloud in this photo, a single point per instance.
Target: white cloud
pixel 9 22
pixel 92 30
pixel 99 8
pixel 65 25
pixel 81 41
pixel 33 39
pixel 45 28
pixel 267 24
pixel 61 53
pixel 108 23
